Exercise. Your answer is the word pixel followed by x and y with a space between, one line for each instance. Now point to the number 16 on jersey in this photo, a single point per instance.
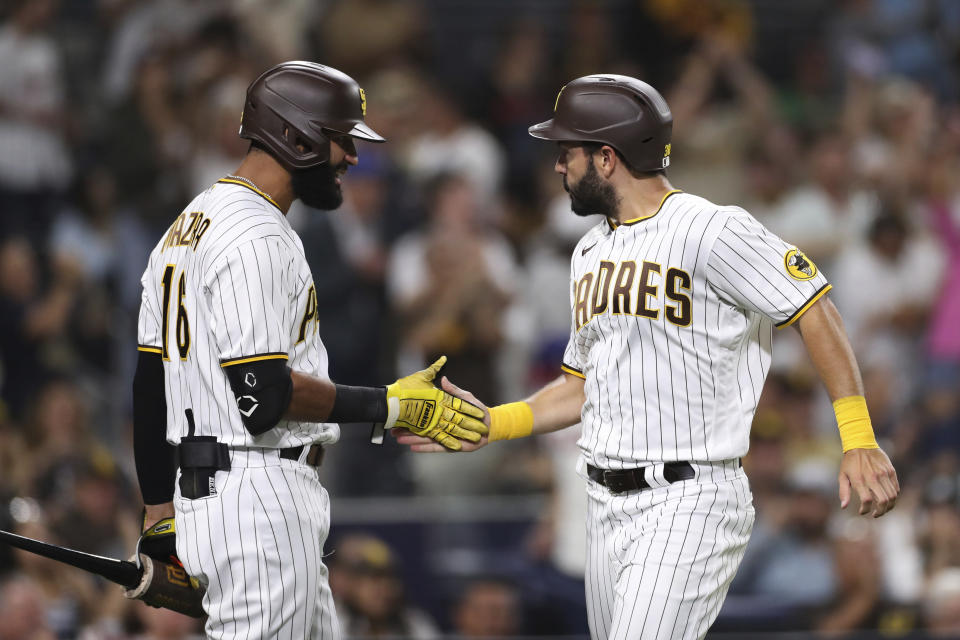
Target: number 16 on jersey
pixel 183 323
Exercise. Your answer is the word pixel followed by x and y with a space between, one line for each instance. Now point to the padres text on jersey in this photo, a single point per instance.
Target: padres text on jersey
pixel 671 327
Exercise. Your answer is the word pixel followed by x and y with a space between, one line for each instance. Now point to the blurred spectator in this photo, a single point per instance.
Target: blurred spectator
pixel 931 429
pixel 60 442
pixel 369 594
pixel 943 340
pixel 801 576
pixel 163 624
pixel 34 158
pixel 348 253
pixel 448 142
pixel 942 610
pixel 940 530
pixel 94 520
pixel 16 469
pixel 892 37
pixel 30 318
pixel 828 212
pixel 591 46
pixel 22 610
pixel 68 596
pixel 218 149
pixel 546 288
pixel 883 301
pixel 450 285
pixel 360 36
pixel 519 88
pixel 280 27
pixel 768 177
pixel 488 608
pixel 109 244
pixel 145 27
pixel 712 132
pixel 147 143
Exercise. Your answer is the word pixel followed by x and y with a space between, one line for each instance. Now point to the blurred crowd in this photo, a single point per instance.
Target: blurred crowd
pixel 836 123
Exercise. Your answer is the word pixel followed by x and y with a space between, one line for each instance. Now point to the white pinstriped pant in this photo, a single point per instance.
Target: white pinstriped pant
pixel 257 546
pixel 660 561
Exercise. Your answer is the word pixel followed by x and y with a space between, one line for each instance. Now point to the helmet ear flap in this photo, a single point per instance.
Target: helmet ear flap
pixel 301 146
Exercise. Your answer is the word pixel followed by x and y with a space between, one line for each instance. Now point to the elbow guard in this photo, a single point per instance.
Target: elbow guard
pixel 263 390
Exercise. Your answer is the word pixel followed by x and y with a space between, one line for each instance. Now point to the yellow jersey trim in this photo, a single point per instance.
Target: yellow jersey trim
pixel 802 310
pixel 614 224
pixel 265 356
pixel 254 189
pixel 148 349
pixel 572 371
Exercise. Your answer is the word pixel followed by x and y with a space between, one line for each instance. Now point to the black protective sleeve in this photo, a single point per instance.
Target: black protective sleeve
pixel 359 404
pixel 153 455
pixel 263 389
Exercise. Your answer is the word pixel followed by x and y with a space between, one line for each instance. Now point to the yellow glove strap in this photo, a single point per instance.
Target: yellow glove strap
pixel 509 421
pixel 856 431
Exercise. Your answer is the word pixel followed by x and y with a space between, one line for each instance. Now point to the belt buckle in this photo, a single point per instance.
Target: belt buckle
pixel 617 481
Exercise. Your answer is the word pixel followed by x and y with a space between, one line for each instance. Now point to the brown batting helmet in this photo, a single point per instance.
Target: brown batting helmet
pixel 301 104
pixel 623 112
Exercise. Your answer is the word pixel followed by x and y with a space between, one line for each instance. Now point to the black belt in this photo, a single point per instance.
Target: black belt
pixel 215 455
pixel 623 480
pixel 314 456
pixel 200 457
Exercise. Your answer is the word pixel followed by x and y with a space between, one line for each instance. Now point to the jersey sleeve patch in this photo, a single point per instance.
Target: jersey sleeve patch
pixel 798 265
pixel 247 359
pixel 572 371
pixel 802 310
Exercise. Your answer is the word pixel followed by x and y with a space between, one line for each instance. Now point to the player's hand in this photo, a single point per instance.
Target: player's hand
pixel 870 473
pixel 420 444
pixel 414 403
pixel 159 540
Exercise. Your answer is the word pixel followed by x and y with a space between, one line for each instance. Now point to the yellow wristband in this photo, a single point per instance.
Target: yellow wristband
pixel 509 421
pixel 853 420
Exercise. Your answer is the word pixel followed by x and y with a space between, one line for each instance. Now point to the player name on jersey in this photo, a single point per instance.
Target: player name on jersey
pixel 186 230
pixel 228 284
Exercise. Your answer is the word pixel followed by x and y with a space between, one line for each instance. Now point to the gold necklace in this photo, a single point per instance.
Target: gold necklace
pixel 249 182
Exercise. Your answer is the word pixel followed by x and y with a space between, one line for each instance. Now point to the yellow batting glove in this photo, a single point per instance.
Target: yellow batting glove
pixel 415 404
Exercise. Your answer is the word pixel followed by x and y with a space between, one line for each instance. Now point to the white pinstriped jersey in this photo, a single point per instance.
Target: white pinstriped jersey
pixel 672 319
pixel 228 283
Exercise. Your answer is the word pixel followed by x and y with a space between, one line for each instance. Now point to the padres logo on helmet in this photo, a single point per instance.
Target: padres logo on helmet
pixel 799 266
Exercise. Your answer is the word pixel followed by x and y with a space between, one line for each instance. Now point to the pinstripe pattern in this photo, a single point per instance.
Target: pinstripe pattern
pixel 674 353
pixel 257 546
pixel 247 288
pixel 659 391
pixel 257 542
pixel 660 561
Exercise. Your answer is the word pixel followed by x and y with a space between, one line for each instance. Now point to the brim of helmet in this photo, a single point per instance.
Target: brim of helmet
pixel 363 132
pixel 550 130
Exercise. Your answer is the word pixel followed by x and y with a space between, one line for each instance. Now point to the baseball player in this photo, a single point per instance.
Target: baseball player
pixel 232 403
pixel 673 302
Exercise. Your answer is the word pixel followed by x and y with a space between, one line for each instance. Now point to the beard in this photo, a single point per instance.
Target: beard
pixel 317 187
pixel 591 195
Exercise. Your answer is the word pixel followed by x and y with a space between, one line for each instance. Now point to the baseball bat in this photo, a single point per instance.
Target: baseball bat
pixel 121 572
